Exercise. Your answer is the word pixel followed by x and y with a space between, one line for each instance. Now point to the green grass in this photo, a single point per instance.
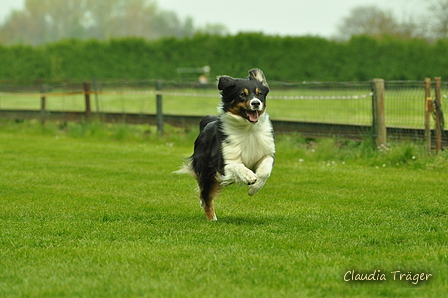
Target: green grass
pixel 404 107
pixel 94 211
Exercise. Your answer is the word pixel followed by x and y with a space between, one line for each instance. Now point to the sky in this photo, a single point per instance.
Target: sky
pixel 272 17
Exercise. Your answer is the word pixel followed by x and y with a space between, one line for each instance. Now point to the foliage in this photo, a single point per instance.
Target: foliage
pixel 283 58
pixel 44 21
pixel 371 21
pixel 376 22
pixel 438 18
pixel 88 215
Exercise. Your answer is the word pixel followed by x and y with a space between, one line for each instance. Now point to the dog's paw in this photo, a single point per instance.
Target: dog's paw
pixel 254 188
pixel 248 177
pixel 238 173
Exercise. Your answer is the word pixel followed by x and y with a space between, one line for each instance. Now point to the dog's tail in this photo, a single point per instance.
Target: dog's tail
pixel 206 120
pixel 186 168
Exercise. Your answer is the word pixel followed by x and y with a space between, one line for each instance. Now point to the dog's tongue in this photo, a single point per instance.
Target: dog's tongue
pixel 253 116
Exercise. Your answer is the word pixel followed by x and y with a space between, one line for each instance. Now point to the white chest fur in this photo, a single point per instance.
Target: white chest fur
pixel 247 143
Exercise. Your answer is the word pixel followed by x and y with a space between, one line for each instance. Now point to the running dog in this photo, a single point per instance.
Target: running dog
pixel 238 145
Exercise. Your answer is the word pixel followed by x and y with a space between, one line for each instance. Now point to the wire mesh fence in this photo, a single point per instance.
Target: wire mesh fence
pixel 405 104
pixel 338 103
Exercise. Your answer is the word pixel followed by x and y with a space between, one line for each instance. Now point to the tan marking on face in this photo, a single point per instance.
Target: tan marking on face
pixel 246 91
pixel 236 109
pixel 257 91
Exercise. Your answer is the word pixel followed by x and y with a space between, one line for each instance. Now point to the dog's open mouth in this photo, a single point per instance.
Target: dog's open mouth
pixel 252 116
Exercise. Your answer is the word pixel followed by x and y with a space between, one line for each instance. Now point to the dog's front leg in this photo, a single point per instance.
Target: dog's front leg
pixel 238 173
pixel 263 172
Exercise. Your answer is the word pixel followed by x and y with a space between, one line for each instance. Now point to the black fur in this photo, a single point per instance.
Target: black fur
pixel 207 159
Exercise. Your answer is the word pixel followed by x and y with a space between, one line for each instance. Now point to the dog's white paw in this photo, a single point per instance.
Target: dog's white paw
pixel 238 173
pixel 254 188
pixel 248 177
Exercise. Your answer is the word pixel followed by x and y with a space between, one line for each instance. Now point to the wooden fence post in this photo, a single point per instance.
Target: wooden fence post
pixel 43 101
pixel 428 110
pixel 88 111
pixel 97 102
pixel 379 132
pixel 159 107
pixel 439 120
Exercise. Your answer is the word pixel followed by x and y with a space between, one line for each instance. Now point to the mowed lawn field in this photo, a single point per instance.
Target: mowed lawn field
pixel 94 211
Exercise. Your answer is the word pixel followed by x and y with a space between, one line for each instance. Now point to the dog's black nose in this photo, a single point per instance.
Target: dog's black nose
pixel 255 104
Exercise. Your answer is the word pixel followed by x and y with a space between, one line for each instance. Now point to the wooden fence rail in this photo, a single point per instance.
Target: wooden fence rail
pixel 378 130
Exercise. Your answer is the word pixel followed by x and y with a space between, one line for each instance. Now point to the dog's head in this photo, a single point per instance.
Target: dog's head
pixel 244 97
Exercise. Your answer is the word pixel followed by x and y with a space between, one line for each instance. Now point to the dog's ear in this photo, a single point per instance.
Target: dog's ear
pixel 257 74
pixel 225 82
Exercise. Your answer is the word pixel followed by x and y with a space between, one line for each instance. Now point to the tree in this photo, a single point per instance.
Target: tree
pixel 438 19
pixel 45 21
pixel 372 21
pixel 214 29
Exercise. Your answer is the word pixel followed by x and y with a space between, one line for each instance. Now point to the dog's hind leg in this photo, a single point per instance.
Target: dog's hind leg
pixel 208 192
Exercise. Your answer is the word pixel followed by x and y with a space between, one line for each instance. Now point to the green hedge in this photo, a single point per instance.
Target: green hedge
pixel 292 59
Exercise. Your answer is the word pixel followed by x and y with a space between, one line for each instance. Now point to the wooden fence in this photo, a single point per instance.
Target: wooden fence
pixel 377 130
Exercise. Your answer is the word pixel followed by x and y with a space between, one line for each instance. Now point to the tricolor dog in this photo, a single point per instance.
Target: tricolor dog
pixel 238 145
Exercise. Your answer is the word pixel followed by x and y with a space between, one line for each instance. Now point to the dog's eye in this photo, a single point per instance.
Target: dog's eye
pixel 242 94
